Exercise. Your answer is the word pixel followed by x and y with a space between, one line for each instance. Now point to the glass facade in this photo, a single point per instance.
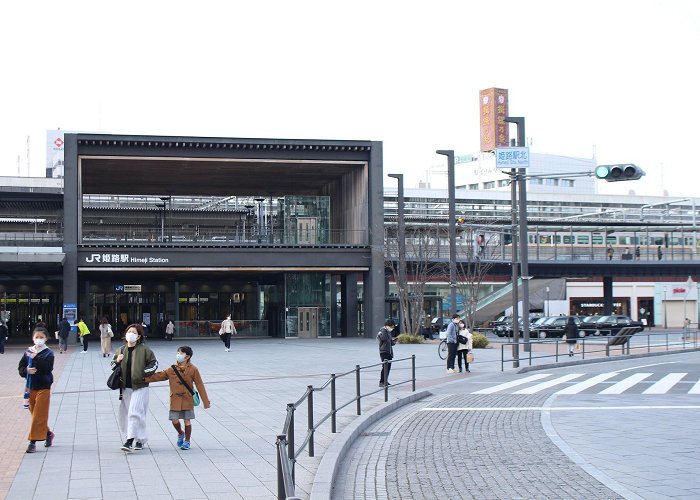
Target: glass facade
pixel 307 305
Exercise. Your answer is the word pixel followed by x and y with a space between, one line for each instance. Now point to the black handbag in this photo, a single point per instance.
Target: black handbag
pixel 462 339
pixel 114 381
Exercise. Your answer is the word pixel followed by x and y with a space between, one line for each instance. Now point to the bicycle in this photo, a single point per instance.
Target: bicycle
pixel 442 349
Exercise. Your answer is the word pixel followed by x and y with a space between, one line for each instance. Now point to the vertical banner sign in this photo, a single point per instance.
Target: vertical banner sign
pixel 493 110
pixel 70 312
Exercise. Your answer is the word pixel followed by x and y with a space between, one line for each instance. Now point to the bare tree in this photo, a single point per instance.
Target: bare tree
pixel 421 250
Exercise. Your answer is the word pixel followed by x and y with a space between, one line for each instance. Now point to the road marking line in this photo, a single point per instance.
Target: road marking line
pixel 666 383
pixel 513 383
pixel 646 366
pixel 695 389
pixel 565 408
pixel 550 383
pixel 625 384
pixel 582 386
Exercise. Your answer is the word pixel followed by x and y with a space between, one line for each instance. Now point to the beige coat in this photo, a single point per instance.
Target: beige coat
pixel 468 345
pixel 180 398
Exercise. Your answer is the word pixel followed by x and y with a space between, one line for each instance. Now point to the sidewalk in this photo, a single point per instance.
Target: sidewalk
pixel 233 452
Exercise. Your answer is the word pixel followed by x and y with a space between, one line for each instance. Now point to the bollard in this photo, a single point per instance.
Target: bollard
pixel 357 389
pixel 583 348
pixel 413 372
pixel 310 411
pixel 333 429
pixel 556 352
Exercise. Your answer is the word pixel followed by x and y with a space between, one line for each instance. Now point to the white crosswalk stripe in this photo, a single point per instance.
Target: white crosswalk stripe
pixel 626 383
pixel 549 383
pixel 666 383
pixel 586 384
pixel 513 383
pixel 663 385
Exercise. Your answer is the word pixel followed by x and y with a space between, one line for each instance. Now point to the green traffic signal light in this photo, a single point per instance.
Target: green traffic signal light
pixel 621 172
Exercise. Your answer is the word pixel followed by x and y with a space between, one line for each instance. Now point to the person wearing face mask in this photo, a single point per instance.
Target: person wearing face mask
pixel 137 362
pixel 36 366
pixel 452 343
pixel 386 349
pixel 183 378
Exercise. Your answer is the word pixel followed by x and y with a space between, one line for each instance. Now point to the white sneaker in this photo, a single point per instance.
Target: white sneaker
pixel 450 370
pixel 228 350
pixel 83 352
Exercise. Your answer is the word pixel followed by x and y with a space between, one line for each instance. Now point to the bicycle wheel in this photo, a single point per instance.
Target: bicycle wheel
pixel 442 349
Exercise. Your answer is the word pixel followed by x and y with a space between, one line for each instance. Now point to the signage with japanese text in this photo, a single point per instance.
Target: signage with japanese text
pixel 493 110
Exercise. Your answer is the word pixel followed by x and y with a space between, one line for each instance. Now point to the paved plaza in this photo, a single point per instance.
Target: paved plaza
pixel 413 452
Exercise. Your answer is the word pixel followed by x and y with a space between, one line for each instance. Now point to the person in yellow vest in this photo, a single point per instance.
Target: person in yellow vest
pixel 84 333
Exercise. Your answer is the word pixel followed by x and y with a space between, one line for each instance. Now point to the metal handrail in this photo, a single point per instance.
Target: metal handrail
pixel 286 453
pixel 684 343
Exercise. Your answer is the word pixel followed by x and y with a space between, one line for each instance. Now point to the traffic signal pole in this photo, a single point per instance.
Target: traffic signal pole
pixel 522 235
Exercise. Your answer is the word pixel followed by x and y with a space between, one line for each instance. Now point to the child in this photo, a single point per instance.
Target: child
pixel 36 366
pixel 181 399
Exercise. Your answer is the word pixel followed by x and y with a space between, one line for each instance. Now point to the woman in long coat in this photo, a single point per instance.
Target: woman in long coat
pixel 571 333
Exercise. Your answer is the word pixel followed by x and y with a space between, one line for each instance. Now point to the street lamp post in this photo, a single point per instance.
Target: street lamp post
pixel 689 283
pixel 452 216
pixel 401 242
pixel 547 290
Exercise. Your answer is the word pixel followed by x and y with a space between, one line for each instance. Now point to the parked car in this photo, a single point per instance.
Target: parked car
pixel 610 325
pixel 588 324
pixel 507 329
pixel 554 326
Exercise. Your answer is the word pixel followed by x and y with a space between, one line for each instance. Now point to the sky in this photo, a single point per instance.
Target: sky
pixel 615 79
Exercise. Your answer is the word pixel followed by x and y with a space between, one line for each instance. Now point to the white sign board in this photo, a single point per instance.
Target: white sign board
pixel 512 158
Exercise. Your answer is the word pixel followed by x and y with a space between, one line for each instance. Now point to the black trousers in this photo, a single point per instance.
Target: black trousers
pixel 226 337
pixel 385 356
pixel 451 351
pixel 462 354
pixel 85 342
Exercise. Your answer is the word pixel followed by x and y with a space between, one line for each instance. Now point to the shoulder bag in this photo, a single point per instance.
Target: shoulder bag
pixel 195 394
pixel 114 381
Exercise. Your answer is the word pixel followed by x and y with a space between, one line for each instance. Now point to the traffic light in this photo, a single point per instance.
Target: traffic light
pixel 621 172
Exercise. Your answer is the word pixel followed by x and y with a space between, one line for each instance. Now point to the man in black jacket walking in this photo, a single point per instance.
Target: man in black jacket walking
pixel 386 350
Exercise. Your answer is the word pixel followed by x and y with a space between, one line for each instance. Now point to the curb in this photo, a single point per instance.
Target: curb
pixel 328 468
pixel 603 360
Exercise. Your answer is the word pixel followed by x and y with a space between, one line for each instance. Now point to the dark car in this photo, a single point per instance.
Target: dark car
pixel 554 327
pixel 610 325
pixel 588 324
pixel 507 329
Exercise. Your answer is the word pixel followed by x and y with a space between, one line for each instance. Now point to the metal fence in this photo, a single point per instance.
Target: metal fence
pixel 597 347
pixel 286 451
pixel 210 328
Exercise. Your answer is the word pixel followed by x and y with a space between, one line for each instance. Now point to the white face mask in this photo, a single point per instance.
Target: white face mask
pixel 39 342
pixel 132 337
pixel 180 357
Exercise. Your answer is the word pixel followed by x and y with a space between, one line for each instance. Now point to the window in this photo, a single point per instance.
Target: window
pixel 503 183
pixel 473 187
pixel 489 185
pixel 567 183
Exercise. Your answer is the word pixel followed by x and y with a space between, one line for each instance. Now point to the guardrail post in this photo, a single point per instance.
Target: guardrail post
pixel 281 492
pixel 385 377
pixel 290 439
pixel 583 348
pixel 333 429
pixel 310 411
pixel 413 372
pixel 357 389
pixel 648 343
pixel 667 340
pixel 502 356
pixel 556 352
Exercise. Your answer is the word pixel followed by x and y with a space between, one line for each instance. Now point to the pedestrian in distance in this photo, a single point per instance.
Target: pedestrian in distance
pixel 627 255
pixel 137 362
pixel 63 334
pixel 637 253
pixel 610 252
pixel 169 330
pixel 106 335
pixel 452 343
pixel 84 333
pixel 184 380
pixel 3 337
pixel 659 252
pixel 36 366
pixel 571 334
pixel 227 328
pixel 386 349
pixel 464 346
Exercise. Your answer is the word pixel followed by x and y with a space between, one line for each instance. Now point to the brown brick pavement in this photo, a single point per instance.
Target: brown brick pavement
pixel 15 418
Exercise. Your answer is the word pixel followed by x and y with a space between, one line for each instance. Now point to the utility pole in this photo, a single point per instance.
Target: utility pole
pixel 401 241
pixel 452 217
pixel 522 230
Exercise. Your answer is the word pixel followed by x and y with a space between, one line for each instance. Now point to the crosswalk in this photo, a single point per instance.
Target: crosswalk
pixel 602 383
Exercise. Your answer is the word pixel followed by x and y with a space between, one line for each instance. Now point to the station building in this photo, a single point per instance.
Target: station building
pixel 277 233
